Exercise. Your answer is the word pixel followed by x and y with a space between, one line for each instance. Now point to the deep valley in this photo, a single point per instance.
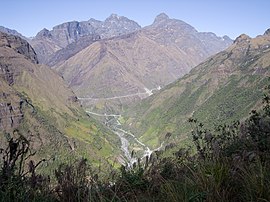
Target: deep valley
pixel 121 112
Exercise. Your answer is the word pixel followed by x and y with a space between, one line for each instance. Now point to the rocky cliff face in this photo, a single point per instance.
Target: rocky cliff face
pixel 7 74
pixel 48 42
pixel 11 104
pixel 19 45
pixel 10 42
pixel 10 112
pixel 65 33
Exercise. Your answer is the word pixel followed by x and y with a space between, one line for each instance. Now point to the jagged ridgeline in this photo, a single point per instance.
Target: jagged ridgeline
pixel 224 88
pixel 36 101
pixel 46 43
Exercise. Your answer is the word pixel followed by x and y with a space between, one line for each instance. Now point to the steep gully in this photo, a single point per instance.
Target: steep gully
pixel 113 123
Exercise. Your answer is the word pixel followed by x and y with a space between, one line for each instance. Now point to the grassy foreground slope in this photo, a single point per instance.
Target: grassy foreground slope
pixel 223 88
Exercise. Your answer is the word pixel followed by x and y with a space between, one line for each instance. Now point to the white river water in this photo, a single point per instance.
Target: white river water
pixel 124 137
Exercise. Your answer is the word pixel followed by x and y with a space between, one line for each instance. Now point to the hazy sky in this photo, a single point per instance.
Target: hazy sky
pixel 223 17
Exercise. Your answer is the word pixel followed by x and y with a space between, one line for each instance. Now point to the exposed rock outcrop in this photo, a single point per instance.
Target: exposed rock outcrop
pixel 12 32
pixel 6 73
pixel 46 42
pixel 267 32
pixel 243 38
pixel 18 44
pixel 10 114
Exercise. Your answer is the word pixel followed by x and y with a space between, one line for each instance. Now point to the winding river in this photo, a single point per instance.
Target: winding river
pixel 115 126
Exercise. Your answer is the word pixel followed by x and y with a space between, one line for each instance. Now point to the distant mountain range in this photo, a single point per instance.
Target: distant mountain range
pixel 222 89
pixel 48 42
pixel 117 62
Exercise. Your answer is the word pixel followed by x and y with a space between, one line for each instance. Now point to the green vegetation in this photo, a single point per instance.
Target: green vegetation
pixel 228 163
pixel 232 101
pixel 228 103
pixel 220 90
pixel 62 138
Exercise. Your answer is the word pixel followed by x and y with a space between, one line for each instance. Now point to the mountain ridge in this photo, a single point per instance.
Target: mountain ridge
pixel 222 89
pixel 47 42
pixel 12 32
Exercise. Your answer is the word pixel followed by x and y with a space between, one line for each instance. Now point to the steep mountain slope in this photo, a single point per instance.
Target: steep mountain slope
pixel 35 100
pixel 11 31
pixel 71 49
pixel 48 42
pixel 198 45
pixel 222 89
pixel 113 72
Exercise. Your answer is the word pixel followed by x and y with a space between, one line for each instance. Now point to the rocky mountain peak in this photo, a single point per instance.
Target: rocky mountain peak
pixel 114 16
pixel 69 32
pixel 116 25
pixel 117 18
pixel 162 21
pixel 242 39
pixel 121 20
pixel 226 38
pixel 93 22
pixel 43 33
pixel 161 17
pixel 267 32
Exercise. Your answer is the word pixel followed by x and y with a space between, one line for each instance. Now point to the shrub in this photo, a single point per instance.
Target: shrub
pixel 17 183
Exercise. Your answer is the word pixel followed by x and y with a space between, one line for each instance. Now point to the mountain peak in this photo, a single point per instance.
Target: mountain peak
pixel 267 32
pixel 43 33
pixel 225 37
pixel 114 16
pixel 161 17
pixel 242 38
